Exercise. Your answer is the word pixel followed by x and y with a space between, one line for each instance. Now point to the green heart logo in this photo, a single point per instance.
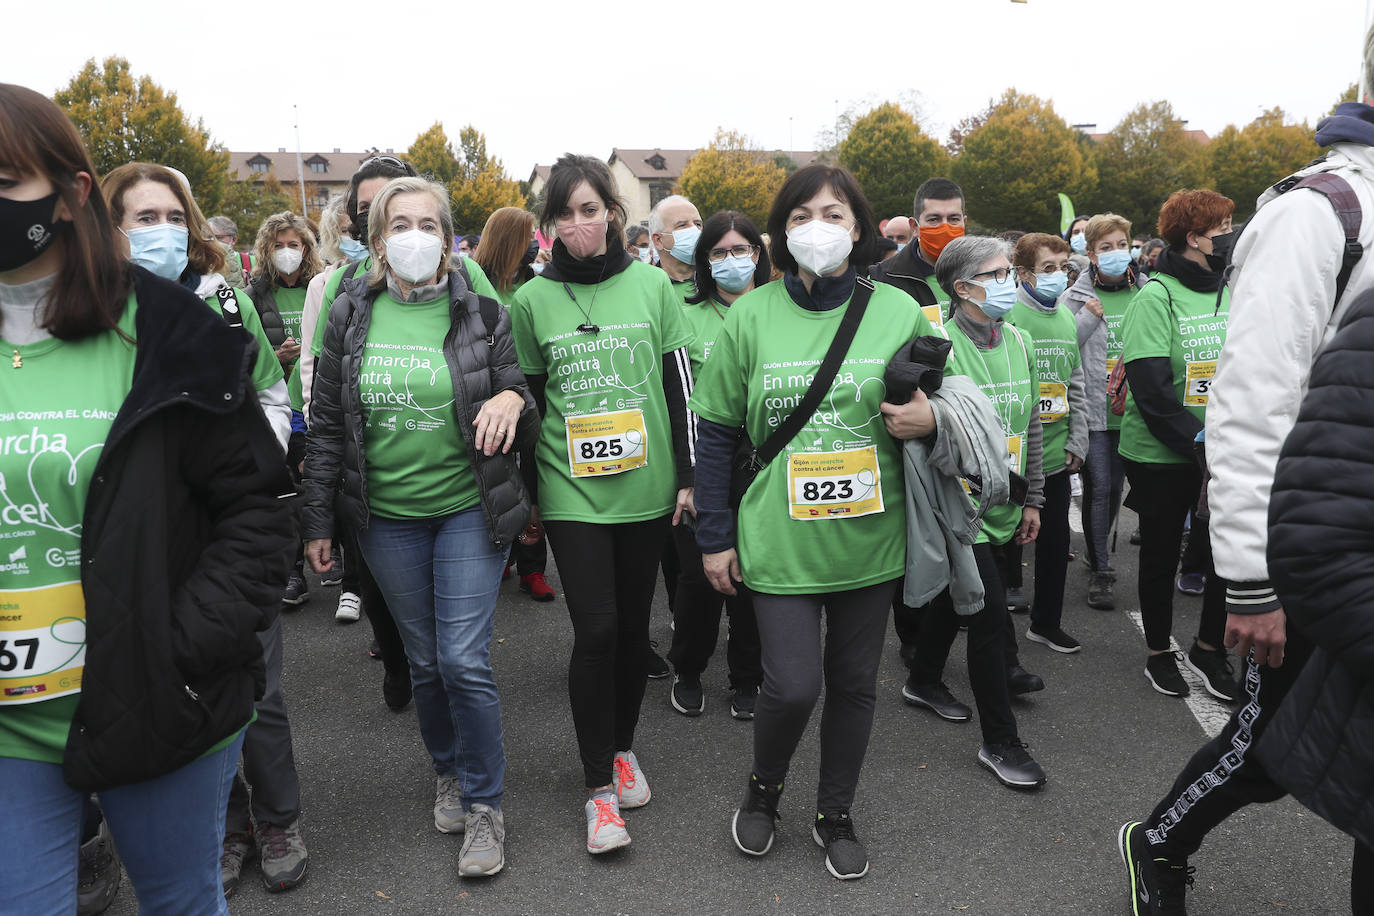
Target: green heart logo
pixel 633 365
pixel 848 393
pixel 434 412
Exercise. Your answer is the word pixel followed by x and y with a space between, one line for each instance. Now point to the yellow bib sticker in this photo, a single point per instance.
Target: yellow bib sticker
pixel 934 315
pixel 1198 383
pixel 42 643
pixel 1111 367
pixel 1054 401
pixel 1014 453
pixel 834 484
pixel 602 444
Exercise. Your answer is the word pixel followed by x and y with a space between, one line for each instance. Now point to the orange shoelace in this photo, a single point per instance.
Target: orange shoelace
pixel 606 814
pixel 626 772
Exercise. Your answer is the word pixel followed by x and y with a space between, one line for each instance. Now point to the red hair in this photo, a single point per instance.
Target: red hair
pixel 1192 211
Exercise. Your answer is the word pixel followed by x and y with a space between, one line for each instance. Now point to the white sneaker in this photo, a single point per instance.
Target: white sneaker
pixel 631 787
pixel 350 608
pixel 1075 486
pixel 605 827
pixel 449 816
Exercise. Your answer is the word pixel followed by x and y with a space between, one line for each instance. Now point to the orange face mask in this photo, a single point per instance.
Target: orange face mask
pixel 935 238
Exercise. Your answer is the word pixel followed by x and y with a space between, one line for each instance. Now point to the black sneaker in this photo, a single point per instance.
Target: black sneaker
pixel 687 696
pixel 1100 591
pixel 938 699
pixel 658 668
pixel 1012 764
pixel 336 572
pixel 845 856
pixel 98 874
pixel 742 700
pixel 1053 637
pixel 297 591
pixel 396 690
pixel 755 820
pixel 1020 681
pixel 1162 672
pixel 1159 886
pixel 1016 601
pixel 1217 673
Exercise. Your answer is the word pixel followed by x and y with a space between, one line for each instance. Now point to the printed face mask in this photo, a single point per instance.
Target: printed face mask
pixel 1079 243
pixel 287 260
pixel 933 239
pixel 1049 286
pixel 685 243
pixel 819 247
pixel 1113 263
pixel 160 249
pixel 27 228
pixel 414 255
pixel 1000 296
pixel 352 249
pixel 734 273
pixel 582 239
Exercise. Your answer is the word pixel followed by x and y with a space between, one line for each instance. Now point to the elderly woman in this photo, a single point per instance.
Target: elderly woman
pixel 418 406
pixel 1172 335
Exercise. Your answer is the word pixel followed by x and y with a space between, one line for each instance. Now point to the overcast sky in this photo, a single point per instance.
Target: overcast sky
pixel 541 78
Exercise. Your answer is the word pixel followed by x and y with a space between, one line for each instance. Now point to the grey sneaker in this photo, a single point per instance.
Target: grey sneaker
pixel 449 816
pixel 236 846
pixel 484 847
pixel 283 855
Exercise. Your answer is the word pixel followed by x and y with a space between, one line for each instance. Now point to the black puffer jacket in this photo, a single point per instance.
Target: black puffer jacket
pixel 1320 745
pixel 185 546
pixel 335 460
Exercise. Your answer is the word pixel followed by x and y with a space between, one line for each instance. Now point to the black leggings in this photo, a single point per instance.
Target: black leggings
pixel 608 574
pixel 696 620
pixel 1051 553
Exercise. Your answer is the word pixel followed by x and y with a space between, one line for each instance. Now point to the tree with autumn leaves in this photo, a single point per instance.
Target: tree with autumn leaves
pixel 731 173
pixel 477 182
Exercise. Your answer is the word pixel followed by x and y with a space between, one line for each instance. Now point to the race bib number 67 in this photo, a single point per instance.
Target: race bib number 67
pixel 606 443
pixel 843 484
pixel 43 646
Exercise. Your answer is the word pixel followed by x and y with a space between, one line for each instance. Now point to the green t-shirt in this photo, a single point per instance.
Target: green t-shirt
pixel 418 464
pixel 55 413
pixel 293 392
pixel 1114 305
pixel 1056 357
pixel 829 513
pixel 290 305
pixel 1191 331
pixel 705 320
pixel 266 370
pixel 1006 374
pixel 605 451
pixel 682 288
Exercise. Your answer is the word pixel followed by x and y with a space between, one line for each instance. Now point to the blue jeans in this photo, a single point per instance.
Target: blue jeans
pixel 169 830
pixel 440 577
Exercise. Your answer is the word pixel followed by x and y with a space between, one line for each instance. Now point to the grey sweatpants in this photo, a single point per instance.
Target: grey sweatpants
pixel 795 661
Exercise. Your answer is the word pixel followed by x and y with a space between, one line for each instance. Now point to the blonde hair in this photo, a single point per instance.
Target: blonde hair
pixel 377 219
pixel 1103 225
pixel 330 233
pixel 276 224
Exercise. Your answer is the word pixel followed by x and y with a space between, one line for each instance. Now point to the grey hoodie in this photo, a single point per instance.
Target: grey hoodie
pixel 1092 347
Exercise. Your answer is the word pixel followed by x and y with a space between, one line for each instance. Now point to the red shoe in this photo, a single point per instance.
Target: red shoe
pixel 505 573
pixel 537 587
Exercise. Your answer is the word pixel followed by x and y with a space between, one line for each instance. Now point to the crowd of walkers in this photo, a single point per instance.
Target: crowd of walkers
pixel 806 425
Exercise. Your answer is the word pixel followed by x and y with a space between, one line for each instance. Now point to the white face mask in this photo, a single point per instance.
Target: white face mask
pixel 537 267
pixel 645 254
pixel 819 247
pixel 287 260
pixel 414 255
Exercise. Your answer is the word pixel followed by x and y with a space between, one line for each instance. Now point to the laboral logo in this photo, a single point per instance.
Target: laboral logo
pixel 17 561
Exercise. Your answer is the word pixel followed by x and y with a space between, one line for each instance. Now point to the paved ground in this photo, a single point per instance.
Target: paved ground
pixel 943 836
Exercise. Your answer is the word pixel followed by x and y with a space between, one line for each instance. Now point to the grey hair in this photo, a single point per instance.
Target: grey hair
pixel 962 258
pixel 656 215
pixel 223 225
pixel 329 229
pixel 377 219
pixel 632 233
pixel 1368 74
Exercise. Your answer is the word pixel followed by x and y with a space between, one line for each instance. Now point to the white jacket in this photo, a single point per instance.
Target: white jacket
pixel 1283 313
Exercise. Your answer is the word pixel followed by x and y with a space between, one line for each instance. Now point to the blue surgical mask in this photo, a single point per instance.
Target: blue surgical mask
pixel 1113 263
pixel 1049 286
pixel 685 243
pixel 1079 243
pixel 160 249
pixel 537 267
pixel 734 273
pixel 1135 252
pixel 900 246
pixel 1000 296
pixel 352 249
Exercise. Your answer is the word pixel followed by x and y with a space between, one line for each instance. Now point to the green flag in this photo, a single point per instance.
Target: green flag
pixel 1065 213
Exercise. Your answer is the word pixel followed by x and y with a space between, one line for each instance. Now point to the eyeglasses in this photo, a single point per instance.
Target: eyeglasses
pixel 389 160
pixel 716 255
pixel 1000 275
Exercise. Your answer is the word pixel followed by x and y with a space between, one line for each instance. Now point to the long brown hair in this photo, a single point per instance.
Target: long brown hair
pixel 203 252
pixel 89 291
pixel 501 251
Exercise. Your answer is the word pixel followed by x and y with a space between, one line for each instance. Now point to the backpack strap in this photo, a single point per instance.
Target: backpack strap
pixel 229 306
pixel 1344 201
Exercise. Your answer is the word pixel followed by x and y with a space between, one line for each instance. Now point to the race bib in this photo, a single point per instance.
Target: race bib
pixel 1054 401
pixel 834 484
pixel 1197 383
pixel 1014 453
pixel 42 644
pixel 1111 367
pixel 934 315
pixel 607 443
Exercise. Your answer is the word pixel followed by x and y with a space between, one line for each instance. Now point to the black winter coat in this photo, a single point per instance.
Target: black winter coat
pixel 1320 745
pixel 185 546
pixel 335 479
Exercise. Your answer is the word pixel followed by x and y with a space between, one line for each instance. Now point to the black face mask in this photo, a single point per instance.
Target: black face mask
pixel 27 228
pixel 1222 246
pixel 360 227
pixel 531 253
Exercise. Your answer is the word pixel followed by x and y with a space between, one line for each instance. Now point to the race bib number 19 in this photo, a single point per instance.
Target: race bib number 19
pixel 43 645
pixel 834 484
pixel 1054 401
pixel 606 443
pixel 1198 383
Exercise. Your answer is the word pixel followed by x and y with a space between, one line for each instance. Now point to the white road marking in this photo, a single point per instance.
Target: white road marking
pixel 1211 713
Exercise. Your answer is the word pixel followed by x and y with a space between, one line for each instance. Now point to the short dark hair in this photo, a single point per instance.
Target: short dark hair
pixel 472 240
pixel 885 245
pixel 1068 233
pixel 387 167
pixel 712 231
pixel 566 174
pixel 800 187
pixel 936 189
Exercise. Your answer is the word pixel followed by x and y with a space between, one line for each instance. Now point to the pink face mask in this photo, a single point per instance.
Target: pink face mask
pixel 582 239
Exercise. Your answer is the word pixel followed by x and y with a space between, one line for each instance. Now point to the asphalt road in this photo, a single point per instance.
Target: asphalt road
pixel 943 836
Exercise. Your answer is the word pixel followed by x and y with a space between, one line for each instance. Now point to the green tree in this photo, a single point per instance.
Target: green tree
pixel 127 119
pixel 432 155
pixel 1142 161
pixel 731 174
pixel 1013 167
pixel 1347 96
pixel 249 203
pixel 481 185
pixel 890 157
pixel 1245 161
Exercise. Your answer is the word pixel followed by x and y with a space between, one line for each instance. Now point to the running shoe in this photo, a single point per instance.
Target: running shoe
pixel 657 668
pixel 1054 637
pixel 605 827
pixel 449 816
pixel 631 786
pixel 687 696
pixel 742 702
pixel 755 822
pixel 484 845
pixel 938 699
pixel 1192 584
pixel 1215 668
pixel 1159 886
pixel 350 607
pixel 1162 672
pixel 237 843
pixel 1012 764
pixel 845 856
pixel 284 857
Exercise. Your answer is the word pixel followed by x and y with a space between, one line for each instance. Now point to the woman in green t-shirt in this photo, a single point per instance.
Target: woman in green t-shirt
pixel 821 531
pixel 288 261
pixel 602 340
pixel 1173 334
